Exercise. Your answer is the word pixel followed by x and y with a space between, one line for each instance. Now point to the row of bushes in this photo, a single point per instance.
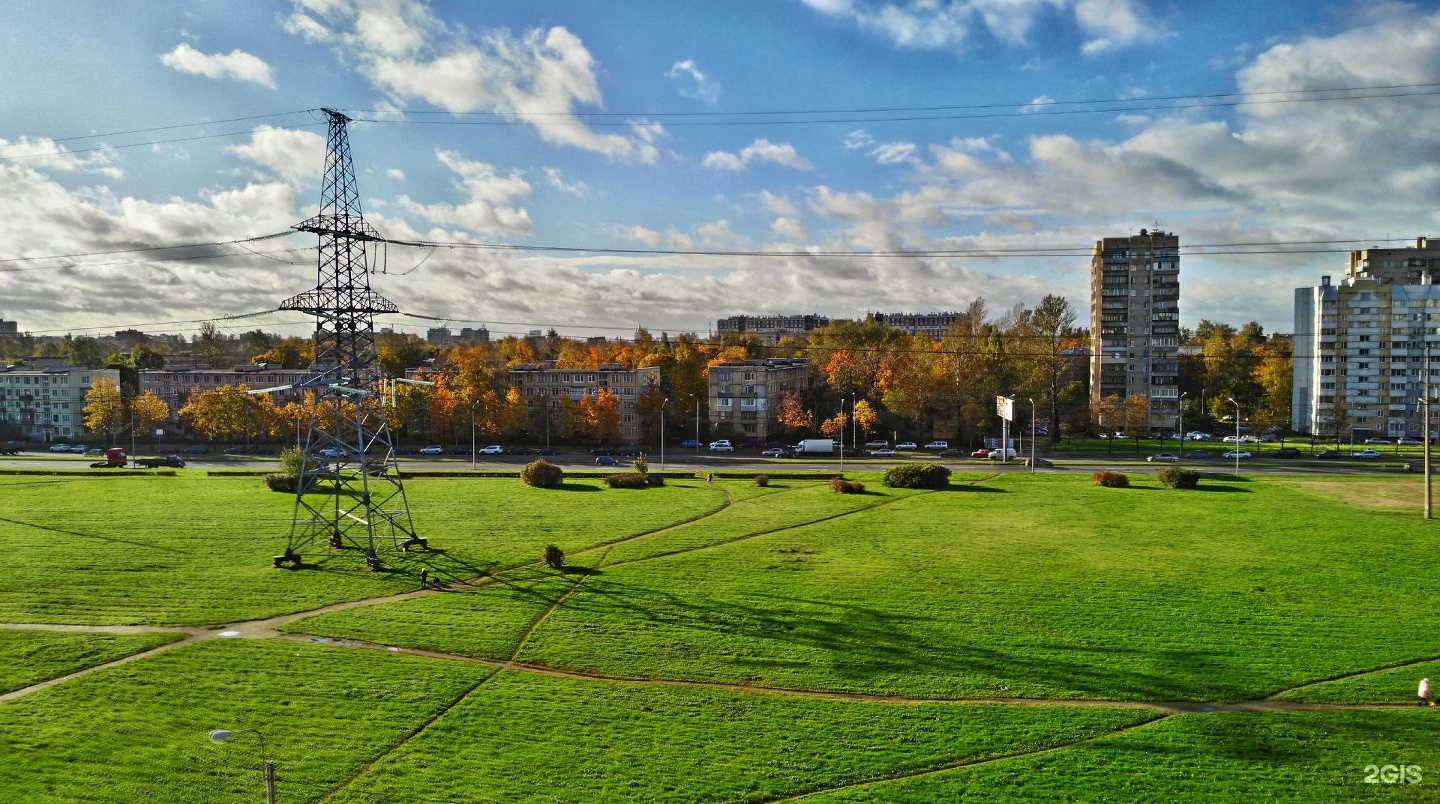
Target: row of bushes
pixel 633 480
pixel 1170 477
pixel 917 476
pixel 840 485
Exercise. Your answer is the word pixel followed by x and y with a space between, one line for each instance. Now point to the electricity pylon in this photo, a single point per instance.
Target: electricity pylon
pixel 349 492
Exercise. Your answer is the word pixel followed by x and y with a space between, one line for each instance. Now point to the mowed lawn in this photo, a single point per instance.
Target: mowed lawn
pixel 29 657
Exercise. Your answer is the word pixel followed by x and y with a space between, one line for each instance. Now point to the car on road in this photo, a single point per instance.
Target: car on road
pixel 1001 454
pixel 1377 440
pixel 938 445
pixel 607 460
pixel 79 449
pixel 722 445
pixel 550 451
pixel 629 450
pixel 876 444
pixel 234 450
pixel 906 445
pixel 59 447
pixel 404 450
pixel 1287 452
pixel 433 449
pixel 980 453
pixel 690 443
pixel 1233 439
pixel 1329 454
pixel 460 451
pixel 882 453
pixel 751 444
pixel 493 449
pixel 1196 435
pixel 519 451
pixel 1198 454
pixel 196 450
pixel 1164 457
pixel 603 449
pixel 1366 454
pixel 1237 453
pixel 952 453
pixel 1411 442
pixel 775 452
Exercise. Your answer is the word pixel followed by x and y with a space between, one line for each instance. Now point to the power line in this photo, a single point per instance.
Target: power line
pixel 247 251
pixel 140 249
pixel 67 152
pixel 179 126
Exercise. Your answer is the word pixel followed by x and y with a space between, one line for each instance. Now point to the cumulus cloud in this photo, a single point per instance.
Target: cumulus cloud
pixel 893 153
pixel 395 174
pixel 552 175
pixel 789 229
pixel 236 64
pixel 43 153
pixel 936 24
pixel 489 196
pixel 692 83
pixel 293 155
pixel 540 77
pixel 761 150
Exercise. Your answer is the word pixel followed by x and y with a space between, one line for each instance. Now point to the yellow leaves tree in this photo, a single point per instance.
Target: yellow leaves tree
pixel 149 410
pixel 440 410
pixel 834 427
pixel 792 415
pixel 103 408
pixel 599 416
pixel 514 414
pixel 221 413
pixel 1137 418
pixel 865 417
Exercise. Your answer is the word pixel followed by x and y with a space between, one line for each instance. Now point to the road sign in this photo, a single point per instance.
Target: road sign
pixel 1005 406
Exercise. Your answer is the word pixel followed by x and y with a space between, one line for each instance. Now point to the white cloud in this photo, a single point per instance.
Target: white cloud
pixel 857 139
pixel 1037 104
pixel 761 150
pixel 552 175
pixel 893 153
pixel 396 174
pixel 938 24
pixel 778 204
pixel 488 208
pixel 692 83
pixel 294 155
pixel 789 229
pixel 410 54
pixel 640 234
pixel 43 153
pixel 236 64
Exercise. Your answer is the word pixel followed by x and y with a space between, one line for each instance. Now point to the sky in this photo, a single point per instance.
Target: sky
pixel 794 137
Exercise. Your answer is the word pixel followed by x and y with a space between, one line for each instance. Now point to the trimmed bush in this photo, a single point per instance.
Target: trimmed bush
pixel 1176 478
pixel 627 480
pixel 655 480
pixel 554 557
pixel 840 485
pixel 291 461
pixel 1112 480
pixel 282 483
pixel 917 476
pixel 762 480
pixel 543 474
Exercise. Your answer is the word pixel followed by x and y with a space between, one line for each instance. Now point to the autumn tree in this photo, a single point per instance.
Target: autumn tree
pixel 1137 418
pixel 1110 414
pixel 514 414
pixel 212 344
pixel 221 413
pixel 834 427
pixel 792 415
pixel 103 408
pixel 440 410
pixel 1275 373
pixel 1053 321
pixel 865 417
pixel 148 410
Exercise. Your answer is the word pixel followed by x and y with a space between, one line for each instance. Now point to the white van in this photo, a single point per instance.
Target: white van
pixel 1001 454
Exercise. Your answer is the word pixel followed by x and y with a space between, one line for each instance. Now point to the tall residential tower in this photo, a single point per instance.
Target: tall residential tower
pixel 1135 324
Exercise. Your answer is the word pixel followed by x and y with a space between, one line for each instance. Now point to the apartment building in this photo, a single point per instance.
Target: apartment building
pixel 47 398
pixel 9 329
pixel 1135 323
pixel 444 338
pixel 745 395
pixel 544 384
pixel 175 385
pixel 771 328
pixel 1410 265
pixel 931 324
pixel 1360 350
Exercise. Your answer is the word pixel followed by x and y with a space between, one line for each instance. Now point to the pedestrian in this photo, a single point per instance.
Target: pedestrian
pixel 1425 692
pixel 424 578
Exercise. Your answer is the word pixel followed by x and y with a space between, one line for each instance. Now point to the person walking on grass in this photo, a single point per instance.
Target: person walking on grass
pixel 1425 692
pixel 424 578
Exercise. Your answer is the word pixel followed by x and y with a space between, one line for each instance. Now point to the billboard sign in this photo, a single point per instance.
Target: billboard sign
pixel 1005 406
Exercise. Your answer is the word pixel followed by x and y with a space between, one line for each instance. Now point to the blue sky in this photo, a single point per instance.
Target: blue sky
pixel 678 162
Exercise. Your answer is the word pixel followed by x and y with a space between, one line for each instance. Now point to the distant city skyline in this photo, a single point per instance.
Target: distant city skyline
pixel 633 126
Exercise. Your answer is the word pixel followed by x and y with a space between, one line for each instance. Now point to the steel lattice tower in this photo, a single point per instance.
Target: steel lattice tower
pixel 349 492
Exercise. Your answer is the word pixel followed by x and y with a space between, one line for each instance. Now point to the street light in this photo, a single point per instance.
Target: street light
pixel 221 735
pixel 1032 435
pixel 545 400
pixel 472 432
pixel 1181 427
pixel 1237 435
pixel 663 403
pixel 697 423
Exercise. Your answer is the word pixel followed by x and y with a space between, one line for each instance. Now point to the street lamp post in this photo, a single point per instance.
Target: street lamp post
pixel 697 423
pixel 842 437
pixel 1237 435
pixel 854 426
pixel 1181 427
pixel 545 400
pixel 221 735
pixel 663 403
pixel 472 432
pixel 1032 436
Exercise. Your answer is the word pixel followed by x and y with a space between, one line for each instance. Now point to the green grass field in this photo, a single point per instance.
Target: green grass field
pixel 1016 637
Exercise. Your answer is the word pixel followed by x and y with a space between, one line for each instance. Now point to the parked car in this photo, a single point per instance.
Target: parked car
pixel 953 453
pixel 980 453
pixel 722 445
pixel 1237 453
pixel 1366 454
pixel 1001 454
pixel 690 443
pixel 906 445
pixel 196 450
pixel 938 445
pixel 1197 436
pixel 460 451
pixel 1198 454
pixel 1377 440
pixel 79 449
pixel 519 451
pixel 433 449
pixel 1287 452
pixel 883 453
pixel 629 450
pixel 493 449
pixel 1163 457
pixel 234 450
pixel 94 452
pixel 751 444
pixel 603 449
pixel 876 444
pixel 404 450
pixel 550 451
pixel 1233 439
pixel 1411 442
pixel 329 452
pixel 775 452
pixel 607 460
pixel 1329 454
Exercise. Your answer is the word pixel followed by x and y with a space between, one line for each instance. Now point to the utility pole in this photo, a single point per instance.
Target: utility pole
pixel 1426 431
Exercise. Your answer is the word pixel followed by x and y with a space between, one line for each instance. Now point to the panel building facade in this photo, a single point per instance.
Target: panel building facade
pixel 543 384
pixel 745 395
pixel 1135 324
pixel 770 328
pixel 46 400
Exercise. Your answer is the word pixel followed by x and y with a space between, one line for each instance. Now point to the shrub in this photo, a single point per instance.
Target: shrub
pixel 1176 478
pixel 842 486
pixel 627 480
pixel 1112 480
pixel 655 480
pixel 762 480
pixel 641 465
pixel 543 474
pixel 554 557
pixel 281 482
pixel 291 460
pixel 917 476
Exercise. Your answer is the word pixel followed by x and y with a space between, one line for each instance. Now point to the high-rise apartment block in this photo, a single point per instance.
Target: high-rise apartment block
pixel 1135 324
pixel 1360 345
pixel 771 328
